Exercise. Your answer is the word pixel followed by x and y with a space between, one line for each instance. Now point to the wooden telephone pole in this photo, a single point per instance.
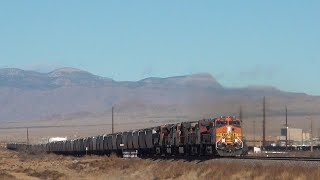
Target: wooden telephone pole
pixel 286 128
pixel 311 136
pixel 240 113
pixel 242 124
pixel 264 123
pixel 27 136
pixel 254 133
pixel 112 120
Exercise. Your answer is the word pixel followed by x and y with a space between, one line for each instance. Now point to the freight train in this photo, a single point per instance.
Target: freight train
pixel 221 136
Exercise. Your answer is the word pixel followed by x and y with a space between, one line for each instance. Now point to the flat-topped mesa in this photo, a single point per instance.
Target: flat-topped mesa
pixel 65 70
pixel 201 77
pixel 199 80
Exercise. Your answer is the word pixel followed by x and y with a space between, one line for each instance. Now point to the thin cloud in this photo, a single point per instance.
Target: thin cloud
pixel 259 72
pixel 255 75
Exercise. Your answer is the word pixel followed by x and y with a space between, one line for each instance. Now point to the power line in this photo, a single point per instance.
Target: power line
pixel 83 125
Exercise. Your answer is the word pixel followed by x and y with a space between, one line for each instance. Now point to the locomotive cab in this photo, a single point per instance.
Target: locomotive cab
pixel 228 136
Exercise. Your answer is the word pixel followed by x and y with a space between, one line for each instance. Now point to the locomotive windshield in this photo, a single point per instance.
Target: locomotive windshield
pixel 221 123
pixel 235 123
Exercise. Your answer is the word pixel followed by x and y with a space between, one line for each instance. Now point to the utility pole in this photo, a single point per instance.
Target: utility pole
pixel 254 133
pixel 264 123
pixel 286 128
pixel 240 113
pixel 112 120
pixel 311 136
pixel 240 117
pixel 27 136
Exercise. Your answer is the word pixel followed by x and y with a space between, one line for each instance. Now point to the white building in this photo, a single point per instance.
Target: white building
pixel 295 135
pixel 54 139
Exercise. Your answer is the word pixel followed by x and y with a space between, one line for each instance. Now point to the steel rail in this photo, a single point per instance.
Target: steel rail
pixel 205 158
pixel 279 158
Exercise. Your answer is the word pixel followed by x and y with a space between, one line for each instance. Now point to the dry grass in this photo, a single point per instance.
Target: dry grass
pixel 213 170
pixel 6 175
pixel 305 154
pixel 27 166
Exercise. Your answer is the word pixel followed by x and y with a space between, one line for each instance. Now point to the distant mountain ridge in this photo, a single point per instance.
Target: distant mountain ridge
pixel 26 95
pixel 18 78
pixel 12 77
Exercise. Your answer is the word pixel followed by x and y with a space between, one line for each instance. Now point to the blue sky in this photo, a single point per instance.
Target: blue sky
pixel 240 43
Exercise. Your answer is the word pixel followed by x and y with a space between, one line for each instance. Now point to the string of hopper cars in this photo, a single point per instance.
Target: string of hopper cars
pixel 221 136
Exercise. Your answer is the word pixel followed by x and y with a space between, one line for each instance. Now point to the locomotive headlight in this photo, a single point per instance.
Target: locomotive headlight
pixel 229 129
pixel 236 140
pixel 223 140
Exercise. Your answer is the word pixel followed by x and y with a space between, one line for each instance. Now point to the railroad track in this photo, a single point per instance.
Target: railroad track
pixel 281 158
pixel 205 158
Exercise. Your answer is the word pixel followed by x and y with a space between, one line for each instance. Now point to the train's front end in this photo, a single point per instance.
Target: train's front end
pixel 228 136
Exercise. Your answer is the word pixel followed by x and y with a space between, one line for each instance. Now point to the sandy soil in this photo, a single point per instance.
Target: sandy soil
pixel 19 165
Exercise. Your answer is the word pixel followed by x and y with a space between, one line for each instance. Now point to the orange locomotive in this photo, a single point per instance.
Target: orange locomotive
pixel 220 136
pixel 228 137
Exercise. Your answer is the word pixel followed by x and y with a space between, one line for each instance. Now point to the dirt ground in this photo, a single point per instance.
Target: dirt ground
pixel 20 165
